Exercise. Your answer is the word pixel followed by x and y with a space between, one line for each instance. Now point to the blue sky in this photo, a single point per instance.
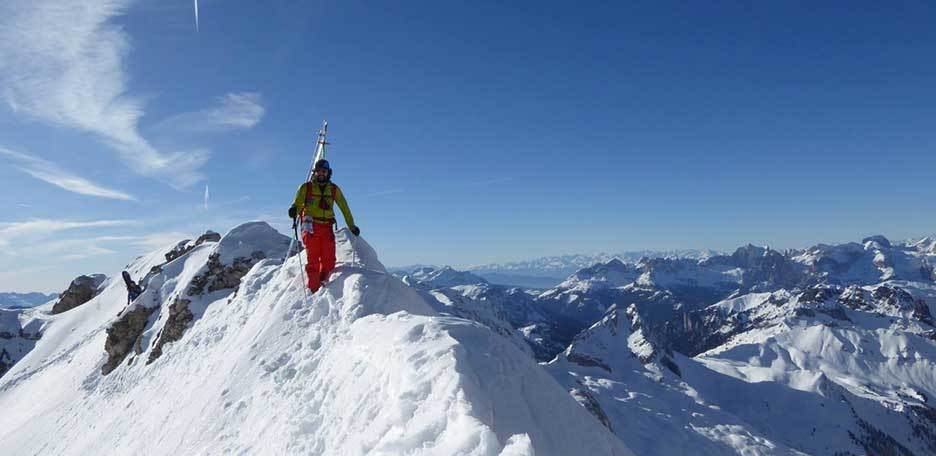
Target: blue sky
pixel 462 132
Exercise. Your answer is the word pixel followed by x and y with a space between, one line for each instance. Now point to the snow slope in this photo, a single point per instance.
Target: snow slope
pixel 802 377
pixel 364 366
pixel 616 372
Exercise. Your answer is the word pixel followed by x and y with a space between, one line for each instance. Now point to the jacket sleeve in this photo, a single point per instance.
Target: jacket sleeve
pixel 299 202
pixel 343 205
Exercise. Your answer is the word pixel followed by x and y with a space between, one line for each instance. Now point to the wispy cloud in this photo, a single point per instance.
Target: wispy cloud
pixel 41 228
pixel 46 239
pixel 206 197
pixel 43 239
pixel 234 111
pixel 72 249
pixel 82 248
pixel 158 240
pixel 62 63
pixel 196 15
pixel 50 172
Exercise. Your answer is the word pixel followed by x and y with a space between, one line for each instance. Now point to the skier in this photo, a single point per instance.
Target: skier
pixel 133 290
pixel 314 204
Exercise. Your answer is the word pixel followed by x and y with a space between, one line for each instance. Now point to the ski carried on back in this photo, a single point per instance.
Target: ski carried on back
pixel 133 289
pixel 319 149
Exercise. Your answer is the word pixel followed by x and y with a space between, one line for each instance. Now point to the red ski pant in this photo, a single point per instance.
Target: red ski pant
pixel 320 250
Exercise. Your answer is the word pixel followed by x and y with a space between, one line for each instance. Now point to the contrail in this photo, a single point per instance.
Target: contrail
pixel 196 15
pixel 206 197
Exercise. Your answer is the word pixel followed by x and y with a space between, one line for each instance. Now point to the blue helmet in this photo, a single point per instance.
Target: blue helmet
pixel 322 164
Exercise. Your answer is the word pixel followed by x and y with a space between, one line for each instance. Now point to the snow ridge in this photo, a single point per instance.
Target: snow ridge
pixel 364 366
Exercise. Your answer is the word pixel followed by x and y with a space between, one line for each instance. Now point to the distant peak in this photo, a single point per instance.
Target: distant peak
pixel 617 262
pixel 878 239
pixel 750 250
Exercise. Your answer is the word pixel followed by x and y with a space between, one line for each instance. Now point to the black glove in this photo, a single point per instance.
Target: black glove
pixel 355 230
pixel 293 212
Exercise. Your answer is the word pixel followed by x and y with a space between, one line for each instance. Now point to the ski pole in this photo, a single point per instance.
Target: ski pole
pixel 302 271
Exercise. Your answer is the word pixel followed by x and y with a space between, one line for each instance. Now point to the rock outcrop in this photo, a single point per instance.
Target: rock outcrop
pixel 183 303
pixel 221 277
pixel 125 335
pixel 80 291
pixel 179 318
pixel 216 277
pixel 187 245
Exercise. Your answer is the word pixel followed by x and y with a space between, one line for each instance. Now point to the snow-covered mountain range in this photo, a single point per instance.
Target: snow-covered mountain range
pixel 24 300
pixel 824 350
pixel 546 272
pixel 564 265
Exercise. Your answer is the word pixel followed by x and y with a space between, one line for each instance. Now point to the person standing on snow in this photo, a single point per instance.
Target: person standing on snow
pixel 313 203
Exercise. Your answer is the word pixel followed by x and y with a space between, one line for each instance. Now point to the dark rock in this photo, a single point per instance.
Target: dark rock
pixel 548 339
pixel 154 271
pixel 891 295
pixel 854 298
pixel 28 335
pixel 180 249
pixel 583 397
pixel 220 277
pixel 583 360
pixel 124 335
pixel 778 300
pixel 668 362
pixel 179 318
pixel 765 269
pixel 209 236
pixel 922 420
pixel 900 300
pixel 186 246
pixel 80 291
pixel 818 295
pixel 922 313
pixel 699 331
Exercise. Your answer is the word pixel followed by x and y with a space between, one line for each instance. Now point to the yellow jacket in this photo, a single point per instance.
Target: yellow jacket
pixel 317 201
